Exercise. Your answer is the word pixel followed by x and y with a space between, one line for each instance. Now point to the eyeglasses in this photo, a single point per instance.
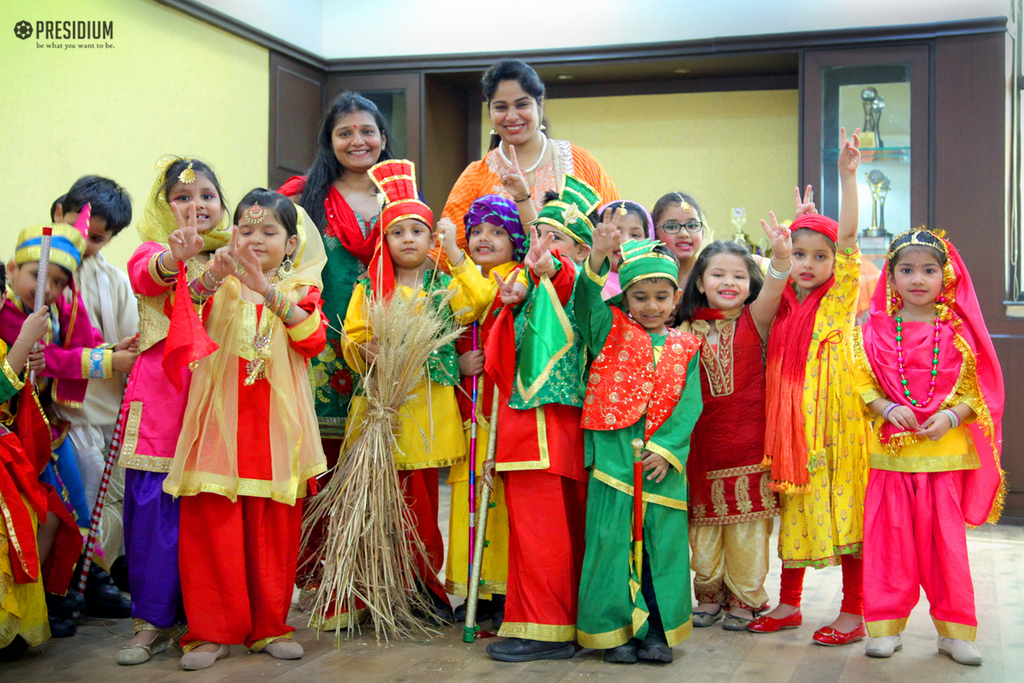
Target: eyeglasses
pixel 673 227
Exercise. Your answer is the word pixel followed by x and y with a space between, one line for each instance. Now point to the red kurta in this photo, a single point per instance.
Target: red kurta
pixel 727 483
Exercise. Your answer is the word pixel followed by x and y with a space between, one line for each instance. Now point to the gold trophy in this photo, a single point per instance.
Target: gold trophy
pixel 739 219
pixel 879 184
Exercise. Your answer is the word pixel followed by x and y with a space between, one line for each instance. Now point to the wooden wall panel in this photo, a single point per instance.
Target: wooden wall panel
pixel 970 144
pixel 445 127
pixel 296 102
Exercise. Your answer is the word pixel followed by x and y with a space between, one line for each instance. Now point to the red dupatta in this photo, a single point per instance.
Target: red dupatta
pixel 341 220
pixel 785 442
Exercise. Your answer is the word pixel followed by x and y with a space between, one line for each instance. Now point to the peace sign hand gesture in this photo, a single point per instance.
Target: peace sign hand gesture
pixel 780 237
pixel 185 242
pixel 513 179
pixel 539 258
pixel 849 152
pixel 510 291
pixel 225 259
pixel 806 206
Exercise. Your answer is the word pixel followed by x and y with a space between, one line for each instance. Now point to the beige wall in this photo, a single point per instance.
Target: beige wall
pixel 170 84
pixel 727 149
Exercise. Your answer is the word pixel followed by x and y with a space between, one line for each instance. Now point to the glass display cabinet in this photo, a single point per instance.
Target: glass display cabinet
pixel 884 92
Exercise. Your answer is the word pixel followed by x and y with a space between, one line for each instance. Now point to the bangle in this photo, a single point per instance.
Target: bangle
pixel 462 257
pixel 954 419
pixel 888 409
pixel 165 274
pixel 779 274
pixel 278 303
pixel 524 199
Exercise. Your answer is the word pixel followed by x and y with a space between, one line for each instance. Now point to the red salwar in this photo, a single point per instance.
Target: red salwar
pixel 546 516
pixel 421 495
pixel 915 537
pixel 237 568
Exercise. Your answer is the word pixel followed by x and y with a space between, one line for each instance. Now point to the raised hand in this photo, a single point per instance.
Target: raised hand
pixel 510 291
pixel 251 274
pixel 446 232
pixel 512 178
pixel 538 258
pixel 806 204
pixel 185 242
pixel 849 152
pixel 607 237
pixel 225 259
pixel 779 235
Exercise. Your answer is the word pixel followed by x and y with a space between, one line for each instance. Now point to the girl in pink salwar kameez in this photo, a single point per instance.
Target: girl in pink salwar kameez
pixel 928 373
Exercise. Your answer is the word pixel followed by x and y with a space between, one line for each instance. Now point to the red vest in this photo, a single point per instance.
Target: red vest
pixel 624 383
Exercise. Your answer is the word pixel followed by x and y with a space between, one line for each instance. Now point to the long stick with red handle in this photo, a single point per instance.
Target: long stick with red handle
pixel 638 506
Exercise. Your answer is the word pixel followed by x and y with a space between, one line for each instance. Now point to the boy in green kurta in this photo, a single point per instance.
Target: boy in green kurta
pixel 643 384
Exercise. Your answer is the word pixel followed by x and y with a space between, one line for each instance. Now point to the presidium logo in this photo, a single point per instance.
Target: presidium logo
pixel 85 34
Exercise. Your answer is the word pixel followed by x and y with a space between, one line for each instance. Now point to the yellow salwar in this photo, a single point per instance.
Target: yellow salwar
pixel 827 521
pixel 494 566
pixel 22 605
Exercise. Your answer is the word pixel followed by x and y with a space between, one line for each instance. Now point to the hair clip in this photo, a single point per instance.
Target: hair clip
pixel 188 176
pixel 255 214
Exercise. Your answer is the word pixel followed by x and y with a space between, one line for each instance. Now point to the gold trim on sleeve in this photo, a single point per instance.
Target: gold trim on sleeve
pixel 305 329
pixel 667 454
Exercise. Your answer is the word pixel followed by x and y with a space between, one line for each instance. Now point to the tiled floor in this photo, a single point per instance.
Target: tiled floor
pixel 997 561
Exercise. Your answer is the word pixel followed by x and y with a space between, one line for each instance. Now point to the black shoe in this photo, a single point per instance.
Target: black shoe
pixel 62 628
pixel 523 650
pixel 119 573
pixel 623 654
pixel 103 599
pixel 498 618
pixel 106 602
pixel 68 606
pixel 655 649
pixel 484 610
pixel 14 651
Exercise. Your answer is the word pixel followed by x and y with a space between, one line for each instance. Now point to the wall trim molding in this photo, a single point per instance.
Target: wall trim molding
pixel 730 45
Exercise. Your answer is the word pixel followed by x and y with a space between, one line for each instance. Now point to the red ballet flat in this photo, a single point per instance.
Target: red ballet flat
pixel 771 625
pixel 826 635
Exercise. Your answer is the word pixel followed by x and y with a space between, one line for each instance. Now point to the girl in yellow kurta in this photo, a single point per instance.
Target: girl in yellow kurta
pixel 497 243
pixel 815 436
pixel 429 434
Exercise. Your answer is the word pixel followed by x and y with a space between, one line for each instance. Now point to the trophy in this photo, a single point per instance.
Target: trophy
pixel 739 219
pixel 870 135
pixel 879 184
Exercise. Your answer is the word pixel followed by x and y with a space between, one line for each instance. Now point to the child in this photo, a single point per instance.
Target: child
pixel 539 453
pixel 250 443
pixel 814 440
pixel 23 616
pixel 681 225
pixel 929 374
pixel 184 221
pixel 497 244
pixel 729 307
pixel 112 307
pixel 634 223
pixel 643 385
pixel 73 353
pixel 430 426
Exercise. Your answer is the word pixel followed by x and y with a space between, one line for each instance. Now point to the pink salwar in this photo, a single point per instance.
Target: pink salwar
pixel 915 537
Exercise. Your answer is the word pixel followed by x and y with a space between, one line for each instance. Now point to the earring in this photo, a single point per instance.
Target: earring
pixel 287 269
pixel 543 127
pixel 895 301
pixel 492 132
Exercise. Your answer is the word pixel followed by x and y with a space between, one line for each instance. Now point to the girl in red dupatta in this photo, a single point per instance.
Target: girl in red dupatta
pixel 927 371
pixel 814 436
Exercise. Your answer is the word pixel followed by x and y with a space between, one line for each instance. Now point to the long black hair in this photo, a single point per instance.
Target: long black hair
pixel 511 70
pixel 326 168
pixel 693 298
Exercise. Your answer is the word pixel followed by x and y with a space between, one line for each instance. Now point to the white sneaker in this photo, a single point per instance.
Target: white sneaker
pixel 883 646
pixel 961 651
